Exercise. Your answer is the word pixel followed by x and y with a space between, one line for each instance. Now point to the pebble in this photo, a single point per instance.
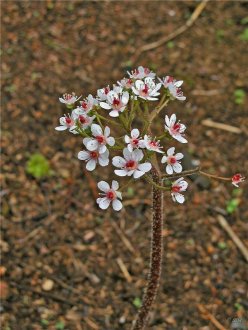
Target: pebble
pixel 47 285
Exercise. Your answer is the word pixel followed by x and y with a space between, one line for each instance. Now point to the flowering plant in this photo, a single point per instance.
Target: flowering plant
pixel 117 123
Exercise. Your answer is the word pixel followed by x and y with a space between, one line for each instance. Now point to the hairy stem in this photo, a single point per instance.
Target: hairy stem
pixel 156 255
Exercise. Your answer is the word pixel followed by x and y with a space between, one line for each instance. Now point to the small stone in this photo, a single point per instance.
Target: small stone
pixel 47 285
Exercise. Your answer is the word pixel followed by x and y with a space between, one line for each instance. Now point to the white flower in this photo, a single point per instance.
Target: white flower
pixel 141 73
pixel 88 103
pixel 67 122
pixel 102 93
pixel 151 144
pixel 125 83
pixel 111 195
pixel 176 130
pixel 85 121
pixel 130 164
pixel 134 142
pixel 173 87
pixel 94 157
pixel 172 161
pixel 116 102
pixel 177 187
pixel 100 140
pixel 147 90
pixel 69 98
pixel 236 179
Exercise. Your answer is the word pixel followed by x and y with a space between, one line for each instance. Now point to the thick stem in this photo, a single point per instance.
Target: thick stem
pixel 156 255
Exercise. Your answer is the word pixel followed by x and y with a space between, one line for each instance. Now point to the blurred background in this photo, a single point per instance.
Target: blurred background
pixel 65 263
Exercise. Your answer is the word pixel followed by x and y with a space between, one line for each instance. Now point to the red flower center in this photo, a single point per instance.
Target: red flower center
pixel 68 120
pixel 106 90
pixel 153 144
pixel 67 96
pixel 82 119
pixel 100 138
pixel 84 105
pixel 94 154
pixel 116 101
pixel 111 195
pixel 236 177
pixel 131 164
pixel 170 79
pixel 145 89
pixel 172 160
pixel 176 189
pixel 135 142
pixel 176 127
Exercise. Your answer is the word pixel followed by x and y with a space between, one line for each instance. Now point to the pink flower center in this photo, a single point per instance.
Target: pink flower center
pixel 100 138
pixel 135 142
pixel 67 97
pixel 172 160
pixel 153 144
pixel 147 71
pixel 116 101
pixel 82 119
pixel 94 154
pixel 176 189
pixel 170 79
pixel 236 177
pixel 106 90
pixel 131 164
pixel 111 194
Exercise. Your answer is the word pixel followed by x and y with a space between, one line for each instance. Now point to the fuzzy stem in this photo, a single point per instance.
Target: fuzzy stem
pixel 156 255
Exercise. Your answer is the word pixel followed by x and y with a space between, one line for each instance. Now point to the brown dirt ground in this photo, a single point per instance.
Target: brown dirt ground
pixel 53 230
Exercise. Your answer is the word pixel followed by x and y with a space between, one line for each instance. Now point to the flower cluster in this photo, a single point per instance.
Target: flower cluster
pixel 116 123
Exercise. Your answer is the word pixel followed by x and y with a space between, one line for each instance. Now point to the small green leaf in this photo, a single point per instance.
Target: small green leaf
pixel 222 245
pixel 220 35
pixel 238 306
pixel 170 44
pixel 239 96
pixel 232 205
pixel 59 325
pixel 38 166
pixel 244 35
pixel 137 302
pixel 244 20
pixel 130 192
pixel 44 322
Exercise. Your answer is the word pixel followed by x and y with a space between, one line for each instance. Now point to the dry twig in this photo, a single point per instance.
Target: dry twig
pixel 124 270
pixel 123 238
pixel 236 240
pixel 174 34
pixel 225 127
pixel 210 317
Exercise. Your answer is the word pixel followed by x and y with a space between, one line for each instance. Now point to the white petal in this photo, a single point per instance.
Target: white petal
pixel 127 139
pixel 118 161
pixel 139 84
pixel 183 185
pixel 83 155
pixel 114 113
pixel 138 154
pixel 61 128
pixel 173 119
pixel 106 131
pixel 102 149
pixel 96 129
pixel 115 185
pixel 103 160
pixel 179 156
pixel 121 172
pixel 177 167
pixel 105 105
pixel 178 83
pixel 91 165
pixel 127 154
pixel 86 140
pixel 179 138
pixel 117 205
pixel 145 167
pixel 125 98
pixel 103 186
pixel 179 198
pixel 92 145
pixel 110 141
pixel 137 174
pixel 169 169
pixel 135 133
pixel 171 151
pixel 104 203
pixel 164 159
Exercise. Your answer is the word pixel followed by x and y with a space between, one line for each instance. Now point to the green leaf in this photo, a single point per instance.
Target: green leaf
pixel 239 96
pixel 244 35
pixel 137 302
pixel 170 44
pixel 59 325
pixel 238 306
pixel 244 20
pixel 38 166
pixel 222 245
pixel 130 192
pixel 44 322
pixel 232 205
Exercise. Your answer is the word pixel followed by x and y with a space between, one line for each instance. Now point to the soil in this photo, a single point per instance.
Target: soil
pixel 61 255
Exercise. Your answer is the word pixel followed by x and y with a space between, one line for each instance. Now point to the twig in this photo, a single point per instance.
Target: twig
pixel 210 317
pixel 123 238
pixel 174 34
pixel 225 225
pixel 124 270
pixel 225 127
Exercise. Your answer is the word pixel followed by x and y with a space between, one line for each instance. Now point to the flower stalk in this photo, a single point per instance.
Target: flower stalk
pixel 156 254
